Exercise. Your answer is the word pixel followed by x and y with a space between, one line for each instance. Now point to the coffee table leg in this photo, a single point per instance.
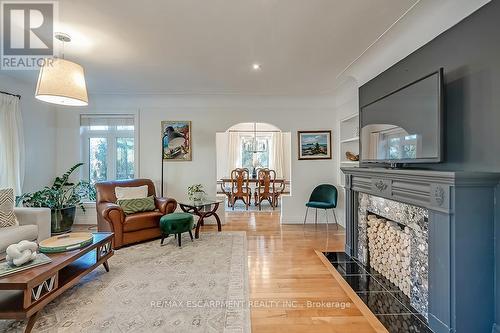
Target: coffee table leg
pixel 31 322
pixel 106 266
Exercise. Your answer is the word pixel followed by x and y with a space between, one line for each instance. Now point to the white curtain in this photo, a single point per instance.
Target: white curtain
pixel 234 151
pixel 374 145
pixel 276 154
pixel 11 144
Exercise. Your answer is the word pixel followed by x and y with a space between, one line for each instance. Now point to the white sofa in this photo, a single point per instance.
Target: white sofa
pixel 34 225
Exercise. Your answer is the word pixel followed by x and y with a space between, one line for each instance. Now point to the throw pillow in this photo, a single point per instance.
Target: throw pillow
pixel 7 217
pixel 136 192
pixel 131 206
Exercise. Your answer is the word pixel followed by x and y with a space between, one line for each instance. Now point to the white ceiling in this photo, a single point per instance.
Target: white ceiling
pixel 208 46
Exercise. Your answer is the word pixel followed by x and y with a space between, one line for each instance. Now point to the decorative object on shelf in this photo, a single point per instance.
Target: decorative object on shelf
pixel 61 81
pixel 20 253
pixel 351 156
pixel 196 192
pixel 176 140
pixel 67 242
pixel 315 145
pixel 62 198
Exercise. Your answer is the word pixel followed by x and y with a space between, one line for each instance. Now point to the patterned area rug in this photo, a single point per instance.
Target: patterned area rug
pixel 201 287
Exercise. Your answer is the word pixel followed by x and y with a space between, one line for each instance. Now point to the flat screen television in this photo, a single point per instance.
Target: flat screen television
pixel 405 126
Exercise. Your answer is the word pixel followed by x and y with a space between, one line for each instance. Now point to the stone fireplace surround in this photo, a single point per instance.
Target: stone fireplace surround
pixel 460 208
pixel 401 253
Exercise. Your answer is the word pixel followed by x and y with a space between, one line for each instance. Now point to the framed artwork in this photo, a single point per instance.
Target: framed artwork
pixel 176 140
pixel 315 145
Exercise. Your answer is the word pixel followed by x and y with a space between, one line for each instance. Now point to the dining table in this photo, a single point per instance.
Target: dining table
pixel 225 184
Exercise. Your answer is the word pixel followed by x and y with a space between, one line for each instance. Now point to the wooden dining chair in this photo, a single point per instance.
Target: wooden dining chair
pixel 266 190
pixel 240 186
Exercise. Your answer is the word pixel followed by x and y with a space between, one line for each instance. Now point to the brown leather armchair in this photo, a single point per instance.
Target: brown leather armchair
pixel 133 228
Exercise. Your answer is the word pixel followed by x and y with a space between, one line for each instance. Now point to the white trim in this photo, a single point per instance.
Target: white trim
pixel 354 115
pixel 111 135
pixel 350 139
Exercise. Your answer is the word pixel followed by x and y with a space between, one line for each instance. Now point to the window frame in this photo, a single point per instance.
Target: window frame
pixel 268 139
pixel 111 135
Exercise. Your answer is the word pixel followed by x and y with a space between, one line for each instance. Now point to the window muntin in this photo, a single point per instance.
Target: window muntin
pixel 108 147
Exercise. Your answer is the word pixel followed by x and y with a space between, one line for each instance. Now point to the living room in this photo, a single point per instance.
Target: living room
pixel 289 195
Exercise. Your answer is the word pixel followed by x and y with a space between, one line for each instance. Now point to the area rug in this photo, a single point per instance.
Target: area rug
pixel 201 287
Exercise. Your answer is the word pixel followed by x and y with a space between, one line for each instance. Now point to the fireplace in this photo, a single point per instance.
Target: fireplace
pixel 449 217
pixel 393 240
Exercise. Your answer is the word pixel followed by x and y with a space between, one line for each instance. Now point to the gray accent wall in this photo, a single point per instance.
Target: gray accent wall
pixel 469 52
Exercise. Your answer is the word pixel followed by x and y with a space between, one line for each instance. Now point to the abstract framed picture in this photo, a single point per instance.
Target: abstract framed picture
pixel 176 140
pixel 315 145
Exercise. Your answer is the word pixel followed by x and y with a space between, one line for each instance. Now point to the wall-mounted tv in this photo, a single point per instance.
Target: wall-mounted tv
pixel 405 126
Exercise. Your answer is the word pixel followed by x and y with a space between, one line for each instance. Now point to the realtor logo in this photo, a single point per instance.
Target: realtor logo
pixel 27 34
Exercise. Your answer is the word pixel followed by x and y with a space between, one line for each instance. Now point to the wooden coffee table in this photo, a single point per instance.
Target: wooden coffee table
pixel 24 294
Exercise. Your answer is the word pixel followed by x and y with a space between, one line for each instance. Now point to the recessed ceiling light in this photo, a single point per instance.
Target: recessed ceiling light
pixel 256 67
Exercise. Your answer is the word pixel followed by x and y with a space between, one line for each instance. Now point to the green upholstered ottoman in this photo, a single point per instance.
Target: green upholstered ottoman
pixel 176 223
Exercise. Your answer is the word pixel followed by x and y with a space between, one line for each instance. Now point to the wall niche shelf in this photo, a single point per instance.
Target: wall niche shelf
pixel 349 142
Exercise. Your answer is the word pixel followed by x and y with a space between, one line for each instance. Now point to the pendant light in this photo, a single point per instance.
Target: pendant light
pixel 255 143
pixel 61 81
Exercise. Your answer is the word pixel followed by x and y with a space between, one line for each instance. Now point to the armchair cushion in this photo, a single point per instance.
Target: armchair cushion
pixel 135 192
pixel 131 206
pixel 141 221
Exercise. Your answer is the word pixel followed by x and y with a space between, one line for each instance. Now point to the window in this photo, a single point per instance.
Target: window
pixel 255 152
pixel 108 147
pixel 401 145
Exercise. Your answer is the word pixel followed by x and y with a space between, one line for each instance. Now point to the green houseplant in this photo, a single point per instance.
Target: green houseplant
pixel 196 192
pixel 62 198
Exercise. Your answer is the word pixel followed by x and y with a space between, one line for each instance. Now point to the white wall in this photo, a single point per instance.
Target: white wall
pixel 427 20
pixel 209 114
pixel 346 104
pixel 39 122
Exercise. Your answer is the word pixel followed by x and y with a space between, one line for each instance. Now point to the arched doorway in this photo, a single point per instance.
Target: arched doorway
pixel 253 146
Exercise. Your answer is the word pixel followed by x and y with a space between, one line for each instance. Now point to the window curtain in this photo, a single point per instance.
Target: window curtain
pixel 276 154
pixel 233 150
pixel 11 144
pixel 374 144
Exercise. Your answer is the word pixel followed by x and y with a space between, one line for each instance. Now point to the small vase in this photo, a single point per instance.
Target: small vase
pixel 198 196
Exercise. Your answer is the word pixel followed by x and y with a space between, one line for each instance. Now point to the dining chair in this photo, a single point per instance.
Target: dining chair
pixel 323 196
pixel 265 189
pixel 240 189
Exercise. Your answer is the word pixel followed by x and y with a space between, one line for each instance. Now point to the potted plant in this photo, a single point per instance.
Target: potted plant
pixel 62 198
pixel 196 192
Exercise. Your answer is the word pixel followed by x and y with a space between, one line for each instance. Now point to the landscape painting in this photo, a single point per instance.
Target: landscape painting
pixel 315 145
pixel 176 140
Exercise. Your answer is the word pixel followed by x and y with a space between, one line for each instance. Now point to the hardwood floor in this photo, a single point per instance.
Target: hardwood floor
pixel 288 280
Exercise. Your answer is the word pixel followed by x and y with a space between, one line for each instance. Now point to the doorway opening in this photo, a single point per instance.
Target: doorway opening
pixel 253 167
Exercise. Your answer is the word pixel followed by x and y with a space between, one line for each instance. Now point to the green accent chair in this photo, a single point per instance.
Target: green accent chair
pixel 324 196
pixel 176 223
